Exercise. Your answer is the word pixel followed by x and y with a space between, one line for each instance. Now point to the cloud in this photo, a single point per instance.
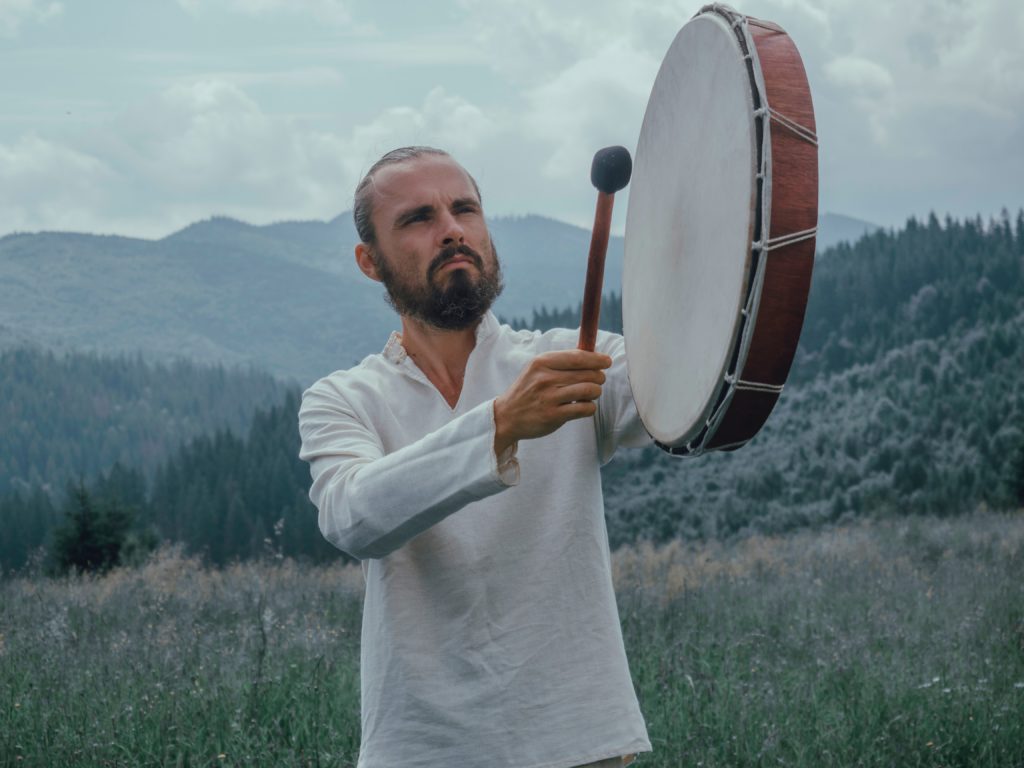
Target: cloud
pixel 191 151
pixel 301 77
pixel 917 106
pixel 443 119
pixel 46 185
pixel 859 75
pixel 597 101
pixel 208 147
pixel 537 39
pixel 331 11
pixel 15 13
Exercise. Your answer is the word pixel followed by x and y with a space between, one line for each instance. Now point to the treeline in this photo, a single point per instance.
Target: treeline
pixel 888 289
pixel 905 397
pixel 75 415
pixel 936 426
pixel 223 496
pixel 545 319
pixel 230 498
pixel 928 280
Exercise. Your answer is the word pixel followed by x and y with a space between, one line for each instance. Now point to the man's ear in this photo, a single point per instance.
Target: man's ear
pixel 365 262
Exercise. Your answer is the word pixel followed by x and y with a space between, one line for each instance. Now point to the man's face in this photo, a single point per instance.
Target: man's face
pixel 433 252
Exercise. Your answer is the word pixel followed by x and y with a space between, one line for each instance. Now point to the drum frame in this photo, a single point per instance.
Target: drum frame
pixel 779 276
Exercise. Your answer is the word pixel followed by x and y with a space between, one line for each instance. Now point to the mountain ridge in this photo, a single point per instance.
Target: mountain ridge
pixel 904 398
pixel 285 296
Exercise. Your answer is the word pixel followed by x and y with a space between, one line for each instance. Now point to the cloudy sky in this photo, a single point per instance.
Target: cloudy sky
pixel 138 117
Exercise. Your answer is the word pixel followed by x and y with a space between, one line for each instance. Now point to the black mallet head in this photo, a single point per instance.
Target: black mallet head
pixel 611 169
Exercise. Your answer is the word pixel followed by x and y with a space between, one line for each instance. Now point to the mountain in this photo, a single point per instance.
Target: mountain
pixel 219 292
pixel 904 397
pixel 284 297
pixel 834 228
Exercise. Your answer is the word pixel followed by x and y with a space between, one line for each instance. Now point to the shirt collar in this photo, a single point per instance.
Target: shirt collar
pixel 395 352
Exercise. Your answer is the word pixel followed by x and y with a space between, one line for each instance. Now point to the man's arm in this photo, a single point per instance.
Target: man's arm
pixel 370 503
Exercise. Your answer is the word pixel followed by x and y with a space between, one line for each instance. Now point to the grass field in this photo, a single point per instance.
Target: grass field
pixel 893 643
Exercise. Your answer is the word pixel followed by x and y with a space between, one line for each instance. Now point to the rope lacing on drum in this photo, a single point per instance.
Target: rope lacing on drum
pixel 758 386
pixel 762 23
pixel 801 131
pixel 788 239
pixel 754 386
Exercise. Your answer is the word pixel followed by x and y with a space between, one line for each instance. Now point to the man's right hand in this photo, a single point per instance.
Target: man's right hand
pixel 552 389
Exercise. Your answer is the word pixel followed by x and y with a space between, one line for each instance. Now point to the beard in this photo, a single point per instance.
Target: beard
pixel 454 306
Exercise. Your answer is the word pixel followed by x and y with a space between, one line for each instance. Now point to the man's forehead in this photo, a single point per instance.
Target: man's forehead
pixel 416 180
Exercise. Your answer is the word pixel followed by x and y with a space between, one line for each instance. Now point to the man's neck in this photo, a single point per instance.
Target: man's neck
pixel 441 355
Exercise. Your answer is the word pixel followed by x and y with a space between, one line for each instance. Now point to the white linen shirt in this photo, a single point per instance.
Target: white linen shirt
pixel 490 632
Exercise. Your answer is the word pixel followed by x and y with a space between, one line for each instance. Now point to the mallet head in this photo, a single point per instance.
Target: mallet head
pixel 611 169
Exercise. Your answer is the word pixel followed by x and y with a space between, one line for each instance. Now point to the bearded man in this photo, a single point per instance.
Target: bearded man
pixel 461 465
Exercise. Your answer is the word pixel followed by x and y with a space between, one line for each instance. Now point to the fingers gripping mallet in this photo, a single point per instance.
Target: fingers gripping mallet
pixel 610 172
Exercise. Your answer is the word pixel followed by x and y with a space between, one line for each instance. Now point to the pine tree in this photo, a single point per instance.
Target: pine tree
pixel 92 535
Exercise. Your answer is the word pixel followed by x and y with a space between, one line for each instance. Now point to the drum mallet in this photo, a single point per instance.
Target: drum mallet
pixel 610 172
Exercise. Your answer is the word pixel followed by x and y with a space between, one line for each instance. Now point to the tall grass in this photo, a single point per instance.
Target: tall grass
pixel 886 644
pixel 893 644
pixel 176 664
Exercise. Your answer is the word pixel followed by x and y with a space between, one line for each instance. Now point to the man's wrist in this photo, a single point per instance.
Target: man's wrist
pixel 503 441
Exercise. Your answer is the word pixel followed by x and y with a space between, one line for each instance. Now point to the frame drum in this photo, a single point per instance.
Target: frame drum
pixel 720 232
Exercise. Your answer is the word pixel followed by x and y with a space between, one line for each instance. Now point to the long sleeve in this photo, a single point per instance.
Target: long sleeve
pixel 370 503
pixel 617 421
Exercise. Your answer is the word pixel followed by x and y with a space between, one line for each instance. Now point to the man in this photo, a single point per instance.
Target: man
pixel 461 465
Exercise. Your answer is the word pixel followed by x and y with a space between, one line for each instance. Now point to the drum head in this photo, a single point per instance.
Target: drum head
pixel 688 230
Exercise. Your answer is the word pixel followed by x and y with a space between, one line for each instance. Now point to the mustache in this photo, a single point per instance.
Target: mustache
pixel 449 252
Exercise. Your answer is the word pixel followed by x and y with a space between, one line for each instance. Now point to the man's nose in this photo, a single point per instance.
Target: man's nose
pixel 451 230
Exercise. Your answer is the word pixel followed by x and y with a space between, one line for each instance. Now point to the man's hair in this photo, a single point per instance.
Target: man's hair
pixel 362 207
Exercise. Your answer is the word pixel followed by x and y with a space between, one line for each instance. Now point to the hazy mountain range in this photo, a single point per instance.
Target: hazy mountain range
pixel 904 397
pixel 284 297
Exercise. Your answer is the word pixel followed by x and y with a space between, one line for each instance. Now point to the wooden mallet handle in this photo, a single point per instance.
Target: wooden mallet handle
pixel 609 172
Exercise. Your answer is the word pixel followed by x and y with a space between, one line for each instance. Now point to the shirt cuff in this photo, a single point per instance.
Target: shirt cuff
pixel 508 465
pixel 505 465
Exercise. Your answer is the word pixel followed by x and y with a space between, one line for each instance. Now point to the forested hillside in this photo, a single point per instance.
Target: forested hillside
pixel 905 396
pixel 926 281
pixel 108 421
pixel 74 415
pixel 231 497
pixel 225 495
pixel 886 290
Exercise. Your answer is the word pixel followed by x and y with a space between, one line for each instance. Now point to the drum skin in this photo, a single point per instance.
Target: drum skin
pixel 729 355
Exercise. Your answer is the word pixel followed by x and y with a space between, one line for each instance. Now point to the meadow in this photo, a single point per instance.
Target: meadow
pixel 895 642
